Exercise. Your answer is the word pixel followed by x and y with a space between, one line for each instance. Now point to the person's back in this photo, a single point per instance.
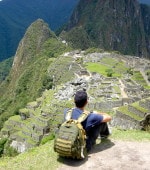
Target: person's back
pixel 95 124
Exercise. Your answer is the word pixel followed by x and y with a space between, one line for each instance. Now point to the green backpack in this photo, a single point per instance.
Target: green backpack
pixel 70 140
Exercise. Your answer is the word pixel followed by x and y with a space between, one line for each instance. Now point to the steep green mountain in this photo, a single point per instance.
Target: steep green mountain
pixel 28 77
pixel 110 25
pixel 16 16
pixel 5 67
pixel 145 9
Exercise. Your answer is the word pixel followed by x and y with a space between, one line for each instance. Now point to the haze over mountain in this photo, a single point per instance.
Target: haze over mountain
pixel 16 16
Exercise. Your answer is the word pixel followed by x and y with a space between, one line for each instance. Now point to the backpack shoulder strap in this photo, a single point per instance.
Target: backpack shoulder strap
pixel 83 116
pixel 69 114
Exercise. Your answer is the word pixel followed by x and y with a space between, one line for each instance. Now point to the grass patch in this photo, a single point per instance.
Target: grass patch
pixel 130 135
pixel 137 76
pixel 124 110
pixel 39 158
pixel 109 61
pixel 136 105
pixel 118 66
pixel 96 67
pixel 102 69
pixel 44 157
pixel 93 50
pixel 117 89
pixel 15 118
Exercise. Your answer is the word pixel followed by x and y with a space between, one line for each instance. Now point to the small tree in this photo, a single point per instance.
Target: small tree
pixel 109 72
pixel 2 145
pixel 148 77
pixel 130 71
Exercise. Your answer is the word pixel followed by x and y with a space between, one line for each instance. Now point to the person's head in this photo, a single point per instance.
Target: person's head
pixel 80 98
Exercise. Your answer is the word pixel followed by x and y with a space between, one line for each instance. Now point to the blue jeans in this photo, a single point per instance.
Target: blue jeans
pixel 94 132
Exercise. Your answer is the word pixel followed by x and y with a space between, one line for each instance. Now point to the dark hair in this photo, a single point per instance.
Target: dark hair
pixel 80 98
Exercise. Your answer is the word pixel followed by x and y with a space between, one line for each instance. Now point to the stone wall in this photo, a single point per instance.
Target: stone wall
pixel 107 105
pixel 145 104
pixel 125 122
pixel 136 111
pixel 146 94
pixel 127 101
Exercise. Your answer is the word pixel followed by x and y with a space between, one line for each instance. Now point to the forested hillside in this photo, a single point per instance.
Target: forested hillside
pixel 16 16
pixel 114 25
pixel 28 77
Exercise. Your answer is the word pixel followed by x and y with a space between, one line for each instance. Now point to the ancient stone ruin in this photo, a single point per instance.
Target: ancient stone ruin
pixel 128 99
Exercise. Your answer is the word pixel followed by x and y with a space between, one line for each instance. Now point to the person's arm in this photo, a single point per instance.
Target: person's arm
pixel 106 117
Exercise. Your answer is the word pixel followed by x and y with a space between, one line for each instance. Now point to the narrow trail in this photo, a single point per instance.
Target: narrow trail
pixel 123 93
pixel 113 155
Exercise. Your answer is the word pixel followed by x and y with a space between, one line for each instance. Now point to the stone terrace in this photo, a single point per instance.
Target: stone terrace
pixel 131 116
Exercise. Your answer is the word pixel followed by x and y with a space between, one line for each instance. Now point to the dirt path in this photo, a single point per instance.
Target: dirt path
pixel 123 93
pixel 114 155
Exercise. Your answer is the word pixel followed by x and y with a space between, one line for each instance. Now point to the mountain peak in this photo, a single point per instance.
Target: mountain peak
pixel 37 33
pixel 112 25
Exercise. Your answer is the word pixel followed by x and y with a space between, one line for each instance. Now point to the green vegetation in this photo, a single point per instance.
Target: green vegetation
pixel 42 157
pixel 15 118
pixel 49 159
pixel 63 64
pixel 13 22
pixel 130 135
pixel 137 76
pixel 24 112
pixel 100 27
pixel 32 78
pixel 5 67
pixel 109 61
pixel 93 50
pixel 77 38
pixel 97 67
pixel 136 105
pixel 117 89
pixel 124 110
pixel 47 138
pixel 53 48
pixel 6 149
pixel 148 72
pixel 2 145
pixel 104 70
pixel 148 75
pixel 108 67
pixel 130 71
pixel 109 72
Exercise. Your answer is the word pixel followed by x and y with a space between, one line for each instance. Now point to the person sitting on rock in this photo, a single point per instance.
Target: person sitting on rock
pixel 95 124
